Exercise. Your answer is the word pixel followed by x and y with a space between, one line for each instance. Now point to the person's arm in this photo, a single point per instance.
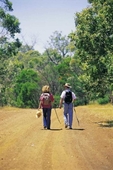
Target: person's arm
pixel 39 107
pixel 74 97
pixel 61 99
pixel 60 104
pixel 51 97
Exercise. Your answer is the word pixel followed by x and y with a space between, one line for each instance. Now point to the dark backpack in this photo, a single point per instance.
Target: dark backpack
pixel 68 97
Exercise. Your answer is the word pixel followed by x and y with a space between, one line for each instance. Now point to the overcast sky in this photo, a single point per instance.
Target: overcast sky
pixel 40 18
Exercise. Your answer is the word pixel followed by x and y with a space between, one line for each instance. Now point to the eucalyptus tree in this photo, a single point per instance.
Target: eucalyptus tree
pixel 58 47
pixel 9 26
pixel 93 41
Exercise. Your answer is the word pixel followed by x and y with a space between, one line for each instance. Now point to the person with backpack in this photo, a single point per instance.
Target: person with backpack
pixel 46 99
pixel 67 98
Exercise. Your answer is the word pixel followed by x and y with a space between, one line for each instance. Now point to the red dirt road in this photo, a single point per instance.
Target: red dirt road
pixel 24 145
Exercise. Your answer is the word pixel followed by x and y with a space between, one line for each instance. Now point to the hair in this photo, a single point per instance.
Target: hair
pixel 45 89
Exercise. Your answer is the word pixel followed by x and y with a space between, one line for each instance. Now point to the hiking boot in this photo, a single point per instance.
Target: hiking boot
pixel 66 125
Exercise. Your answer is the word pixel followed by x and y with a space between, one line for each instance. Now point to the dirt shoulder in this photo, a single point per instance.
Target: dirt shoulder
pixel 25 145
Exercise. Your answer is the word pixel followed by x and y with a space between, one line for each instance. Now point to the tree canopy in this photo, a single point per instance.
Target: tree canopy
pixel 93 40
pixel 84 58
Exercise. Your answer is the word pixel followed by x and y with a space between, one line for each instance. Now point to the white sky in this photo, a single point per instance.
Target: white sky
pixel 40 18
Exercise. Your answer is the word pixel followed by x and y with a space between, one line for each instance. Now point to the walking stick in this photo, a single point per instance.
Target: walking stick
pixel 57 116
pixel 76 116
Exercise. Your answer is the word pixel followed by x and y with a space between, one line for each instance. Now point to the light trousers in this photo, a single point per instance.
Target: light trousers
pixel 68 114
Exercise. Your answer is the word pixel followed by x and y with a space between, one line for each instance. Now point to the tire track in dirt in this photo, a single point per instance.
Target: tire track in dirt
pixel 24 145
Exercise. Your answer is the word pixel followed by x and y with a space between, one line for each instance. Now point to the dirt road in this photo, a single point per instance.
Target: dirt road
pixel 24 145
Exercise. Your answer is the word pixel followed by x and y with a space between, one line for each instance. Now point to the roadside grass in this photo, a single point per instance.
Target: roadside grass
pixel 108 123
pixel 9 108
pixel 103 112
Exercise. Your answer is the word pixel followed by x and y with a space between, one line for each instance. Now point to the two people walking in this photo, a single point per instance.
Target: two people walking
pixel 67 98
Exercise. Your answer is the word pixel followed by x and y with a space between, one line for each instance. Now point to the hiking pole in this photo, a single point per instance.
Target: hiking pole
pixel 76 116
pixel 58 118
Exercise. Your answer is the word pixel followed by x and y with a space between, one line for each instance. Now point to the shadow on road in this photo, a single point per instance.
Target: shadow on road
pixel 108 123
pixel 56 129
pixel 53 129
pixel 81 129
pixel 76 129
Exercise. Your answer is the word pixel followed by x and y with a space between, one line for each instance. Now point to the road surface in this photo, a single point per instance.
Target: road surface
pixel 24 145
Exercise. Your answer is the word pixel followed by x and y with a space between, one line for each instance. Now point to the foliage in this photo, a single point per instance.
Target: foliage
pixel 59 43
pixel 56 101
pixel 64 70
pixel 103 100
pixel 84 59
pixel 9 23
pixel 26 89
pixel 9 26
pixel 93 41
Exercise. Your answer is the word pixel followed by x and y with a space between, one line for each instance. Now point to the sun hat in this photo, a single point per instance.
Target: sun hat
pixel 38 113
pixel 67 85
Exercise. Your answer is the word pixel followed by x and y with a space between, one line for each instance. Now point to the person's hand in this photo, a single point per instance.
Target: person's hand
pixel 60 106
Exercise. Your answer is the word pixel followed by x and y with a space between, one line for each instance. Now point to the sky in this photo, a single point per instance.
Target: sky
pixel 39 19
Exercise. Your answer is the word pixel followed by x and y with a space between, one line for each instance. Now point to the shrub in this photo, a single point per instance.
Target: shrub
pixel 103 100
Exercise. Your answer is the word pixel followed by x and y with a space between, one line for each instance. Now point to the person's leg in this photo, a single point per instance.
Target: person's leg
pixel 70 110
pixel 66 115
pixel 48 118
pixel 44 118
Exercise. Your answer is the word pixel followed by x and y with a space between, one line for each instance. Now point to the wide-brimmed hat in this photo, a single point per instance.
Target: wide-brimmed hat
pixel 67 85
pixel 38 113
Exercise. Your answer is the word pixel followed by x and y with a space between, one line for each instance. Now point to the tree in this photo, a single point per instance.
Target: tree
pixel 93 40
pixel 58 47
pixel 26 89
pixel 9 26
pixel 59 42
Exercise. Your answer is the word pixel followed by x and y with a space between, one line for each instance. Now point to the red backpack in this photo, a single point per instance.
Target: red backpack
pixel 45 98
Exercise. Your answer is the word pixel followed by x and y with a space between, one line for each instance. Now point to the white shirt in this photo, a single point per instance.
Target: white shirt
pixel 64 93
